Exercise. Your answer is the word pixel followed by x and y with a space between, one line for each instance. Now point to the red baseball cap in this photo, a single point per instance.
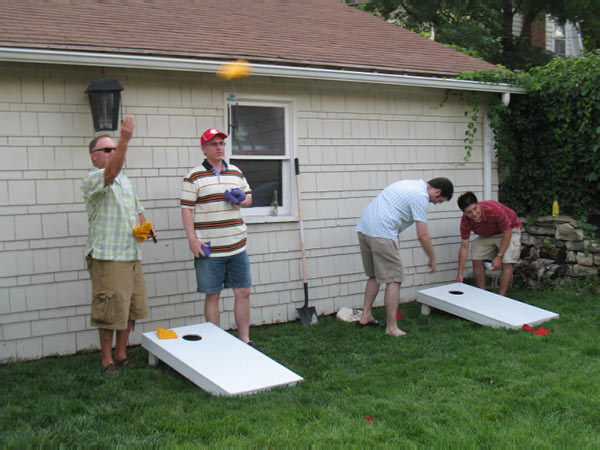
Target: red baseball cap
pixel 211 133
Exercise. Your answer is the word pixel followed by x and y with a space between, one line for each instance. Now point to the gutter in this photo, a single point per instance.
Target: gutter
pixel 39 56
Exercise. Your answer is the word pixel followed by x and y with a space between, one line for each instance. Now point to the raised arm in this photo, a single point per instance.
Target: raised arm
pixel 116 162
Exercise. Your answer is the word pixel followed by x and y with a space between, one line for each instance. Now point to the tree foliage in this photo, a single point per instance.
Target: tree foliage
pixel 486 26
pixel 548 141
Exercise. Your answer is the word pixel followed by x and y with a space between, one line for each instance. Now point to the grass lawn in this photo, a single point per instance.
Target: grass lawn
pixel 448 383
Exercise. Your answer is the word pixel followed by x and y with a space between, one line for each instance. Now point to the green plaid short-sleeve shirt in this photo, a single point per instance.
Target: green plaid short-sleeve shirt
pixel 112 214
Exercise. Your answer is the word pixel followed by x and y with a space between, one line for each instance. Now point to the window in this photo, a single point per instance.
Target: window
pixel 560 41
pixel 260 145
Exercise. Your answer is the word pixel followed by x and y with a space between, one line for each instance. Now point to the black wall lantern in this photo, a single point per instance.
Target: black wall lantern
pixel 105 98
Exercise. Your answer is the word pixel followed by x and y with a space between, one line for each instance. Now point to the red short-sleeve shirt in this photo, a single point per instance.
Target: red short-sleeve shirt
pixel 495 219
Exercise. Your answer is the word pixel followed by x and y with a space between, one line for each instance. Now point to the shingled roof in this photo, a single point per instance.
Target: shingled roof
pixel 307 33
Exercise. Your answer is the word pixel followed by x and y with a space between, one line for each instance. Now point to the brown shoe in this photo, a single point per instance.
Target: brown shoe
pixel 125 362
pixel 110 369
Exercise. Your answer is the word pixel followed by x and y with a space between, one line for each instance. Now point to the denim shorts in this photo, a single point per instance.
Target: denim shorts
pixel 215 274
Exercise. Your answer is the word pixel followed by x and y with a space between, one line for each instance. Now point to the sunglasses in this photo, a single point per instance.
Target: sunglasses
pixel 105 150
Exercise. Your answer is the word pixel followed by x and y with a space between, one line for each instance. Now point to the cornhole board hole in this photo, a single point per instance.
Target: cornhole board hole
pixel 482 307
pixel 216 361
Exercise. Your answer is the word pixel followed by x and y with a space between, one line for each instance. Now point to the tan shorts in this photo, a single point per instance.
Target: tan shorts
pixel 118 293
pixel 486 248
pixel 381 259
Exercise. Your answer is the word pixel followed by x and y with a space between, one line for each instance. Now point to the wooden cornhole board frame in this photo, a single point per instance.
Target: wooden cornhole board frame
pixel 482 307
pixel 219 363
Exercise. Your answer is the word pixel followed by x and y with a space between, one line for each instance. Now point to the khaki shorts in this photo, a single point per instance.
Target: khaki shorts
pixel 118 293
pixel 486 248
pixel 381 259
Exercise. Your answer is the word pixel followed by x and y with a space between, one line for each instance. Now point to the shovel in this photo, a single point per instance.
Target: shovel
pixel 308 315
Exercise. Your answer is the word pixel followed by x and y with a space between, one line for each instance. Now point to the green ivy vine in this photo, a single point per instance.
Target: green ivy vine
pixel 547 141
pixel 470 98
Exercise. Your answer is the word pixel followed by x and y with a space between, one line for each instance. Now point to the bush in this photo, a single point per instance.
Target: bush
pixel 547 142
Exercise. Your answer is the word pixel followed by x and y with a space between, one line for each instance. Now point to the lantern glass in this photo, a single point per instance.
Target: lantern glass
pixel 105 99
pixel 105 110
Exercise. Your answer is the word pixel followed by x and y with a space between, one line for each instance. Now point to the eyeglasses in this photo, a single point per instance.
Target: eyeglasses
pixel 105 150
pixel 216 144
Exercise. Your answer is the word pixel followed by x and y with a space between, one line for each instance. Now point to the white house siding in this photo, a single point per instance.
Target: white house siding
pixel 352 141
pixel 517 24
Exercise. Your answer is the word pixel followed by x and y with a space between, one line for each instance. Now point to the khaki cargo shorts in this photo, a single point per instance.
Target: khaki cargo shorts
pixel 118 293
pixel 486 248
pixel 381 259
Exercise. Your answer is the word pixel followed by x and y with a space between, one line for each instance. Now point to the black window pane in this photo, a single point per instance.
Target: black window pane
pixel 257 130
pixel 264 178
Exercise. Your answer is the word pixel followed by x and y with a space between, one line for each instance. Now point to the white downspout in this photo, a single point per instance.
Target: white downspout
pixel 488 150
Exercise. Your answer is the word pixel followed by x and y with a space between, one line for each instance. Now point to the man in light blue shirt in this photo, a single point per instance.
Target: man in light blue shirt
pixel 396 208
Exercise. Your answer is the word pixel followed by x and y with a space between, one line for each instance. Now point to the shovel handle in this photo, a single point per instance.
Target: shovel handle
pixel 302 249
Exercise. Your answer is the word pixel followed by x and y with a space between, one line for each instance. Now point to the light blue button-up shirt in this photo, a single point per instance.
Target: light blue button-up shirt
pixel 396 208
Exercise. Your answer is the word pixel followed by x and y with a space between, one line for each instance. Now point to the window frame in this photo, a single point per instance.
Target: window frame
pixel 289 210
pixel 556 38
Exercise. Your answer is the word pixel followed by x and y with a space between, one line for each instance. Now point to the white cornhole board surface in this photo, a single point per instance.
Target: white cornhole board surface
pixel 219 363
pixel 483 307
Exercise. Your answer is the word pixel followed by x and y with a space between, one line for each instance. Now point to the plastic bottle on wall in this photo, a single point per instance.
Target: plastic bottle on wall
pixel 555 208
pixel 274 205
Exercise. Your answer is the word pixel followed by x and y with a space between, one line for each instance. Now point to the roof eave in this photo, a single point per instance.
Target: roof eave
pixel 44 56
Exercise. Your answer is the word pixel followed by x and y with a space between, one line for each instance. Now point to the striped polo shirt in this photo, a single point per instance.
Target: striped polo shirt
pixel 395 209
pixel 215 220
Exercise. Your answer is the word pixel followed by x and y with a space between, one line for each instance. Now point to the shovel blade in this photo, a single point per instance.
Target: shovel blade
pixel 308 315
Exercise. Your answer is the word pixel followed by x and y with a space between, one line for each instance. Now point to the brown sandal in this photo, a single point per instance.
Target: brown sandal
pixel 110 369
pixel 124 362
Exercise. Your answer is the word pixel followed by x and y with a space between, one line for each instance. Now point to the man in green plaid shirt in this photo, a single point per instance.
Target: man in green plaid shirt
pixel 112 252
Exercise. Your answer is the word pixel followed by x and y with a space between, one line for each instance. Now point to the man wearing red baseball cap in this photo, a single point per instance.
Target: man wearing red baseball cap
pixel 211 198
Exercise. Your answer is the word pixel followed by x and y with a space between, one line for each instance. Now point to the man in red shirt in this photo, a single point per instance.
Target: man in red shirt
pixel 499 241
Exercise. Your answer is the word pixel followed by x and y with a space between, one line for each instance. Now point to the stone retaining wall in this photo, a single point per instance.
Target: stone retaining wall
pixel 555 247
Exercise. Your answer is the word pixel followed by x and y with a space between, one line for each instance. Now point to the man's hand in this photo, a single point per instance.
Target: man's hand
pixel 229 197
pixel 497 262
pixel 196 246
pixel 143 231
pixel 127 127
pixel 234 196
pixel 433 265
pixel 239 195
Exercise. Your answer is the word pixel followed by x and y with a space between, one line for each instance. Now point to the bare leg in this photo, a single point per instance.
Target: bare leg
pixel 479 272
pixel 241 311
pixel 211 308
pixel 106 340
pixel 122 337
pixel 391 299
pixel 370 293
pixel 505 277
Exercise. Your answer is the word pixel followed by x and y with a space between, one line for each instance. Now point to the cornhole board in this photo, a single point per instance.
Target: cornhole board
pixel 218 362
pixel 481 306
